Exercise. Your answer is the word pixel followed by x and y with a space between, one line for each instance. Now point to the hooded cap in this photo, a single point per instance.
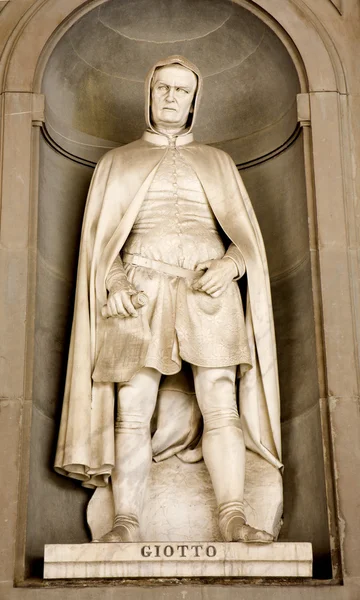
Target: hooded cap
pixel 173 60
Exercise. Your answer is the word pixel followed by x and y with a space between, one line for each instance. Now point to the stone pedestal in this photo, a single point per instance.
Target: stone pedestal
pixel 178 559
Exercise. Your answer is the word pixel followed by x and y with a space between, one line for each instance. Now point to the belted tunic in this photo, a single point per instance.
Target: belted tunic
pixel 177 226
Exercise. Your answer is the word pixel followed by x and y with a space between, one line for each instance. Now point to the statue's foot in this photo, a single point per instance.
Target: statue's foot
pixel 126 529
pixel 245 533
pixel 233 526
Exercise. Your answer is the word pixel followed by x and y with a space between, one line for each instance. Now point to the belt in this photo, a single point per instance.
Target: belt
pixel 157 265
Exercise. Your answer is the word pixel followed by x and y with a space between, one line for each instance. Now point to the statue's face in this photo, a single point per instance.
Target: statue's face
pixel 172 93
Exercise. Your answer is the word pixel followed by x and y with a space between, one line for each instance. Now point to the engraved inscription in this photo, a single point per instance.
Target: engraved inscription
pixel 178 551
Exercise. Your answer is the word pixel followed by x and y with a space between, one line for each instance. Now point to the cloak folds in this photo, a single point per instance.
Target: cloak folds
pixel 86 440
pixel 121 180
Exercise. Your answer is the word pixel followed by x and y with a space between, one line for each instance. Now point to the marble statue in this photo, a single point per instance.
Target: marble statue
pixel 168 233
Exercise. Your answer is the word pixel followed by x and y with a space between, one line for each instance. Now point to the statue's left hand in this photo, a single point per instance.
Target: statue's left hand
pixel 217 277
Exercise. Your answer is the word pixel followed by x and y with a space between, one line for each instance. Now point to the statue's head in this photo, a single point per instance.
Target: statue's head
pixel 172 95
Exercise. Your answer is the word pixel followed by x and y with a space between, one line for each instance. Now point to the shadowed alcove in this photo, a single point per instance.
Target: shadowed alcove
pixel 93 87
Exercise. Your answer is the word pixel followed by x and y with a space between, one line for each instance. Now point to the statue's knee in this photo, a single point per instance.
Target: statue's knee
pixel 210 389
pixel 134 410
pixel 220 418
pixel 131 422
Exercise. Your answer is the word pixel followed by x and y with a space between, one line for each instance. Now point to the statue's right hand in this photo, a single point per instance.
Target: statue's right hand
pixel 119 304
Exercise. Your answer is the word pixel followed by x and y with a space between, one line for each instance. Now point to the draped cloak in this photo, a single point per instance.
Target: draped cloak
pixel 121 180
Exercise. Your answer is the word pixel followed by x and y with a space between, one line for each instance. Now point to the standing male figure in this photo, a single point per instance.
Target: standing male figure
pixel 169 217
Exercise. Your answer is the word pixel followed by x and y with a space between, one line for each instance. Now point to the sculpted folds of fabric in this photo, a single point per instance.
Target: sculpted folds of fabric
pixel 126 180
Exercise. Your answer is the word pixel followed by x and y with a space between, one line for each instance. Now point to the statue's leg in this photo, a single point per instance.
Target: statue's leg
pixel 224 451
pixel 133 456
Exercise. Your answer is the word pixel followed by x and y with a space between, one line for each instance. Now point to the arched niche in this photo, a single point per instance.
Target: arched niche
pixel 93 88
pixel 21 76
